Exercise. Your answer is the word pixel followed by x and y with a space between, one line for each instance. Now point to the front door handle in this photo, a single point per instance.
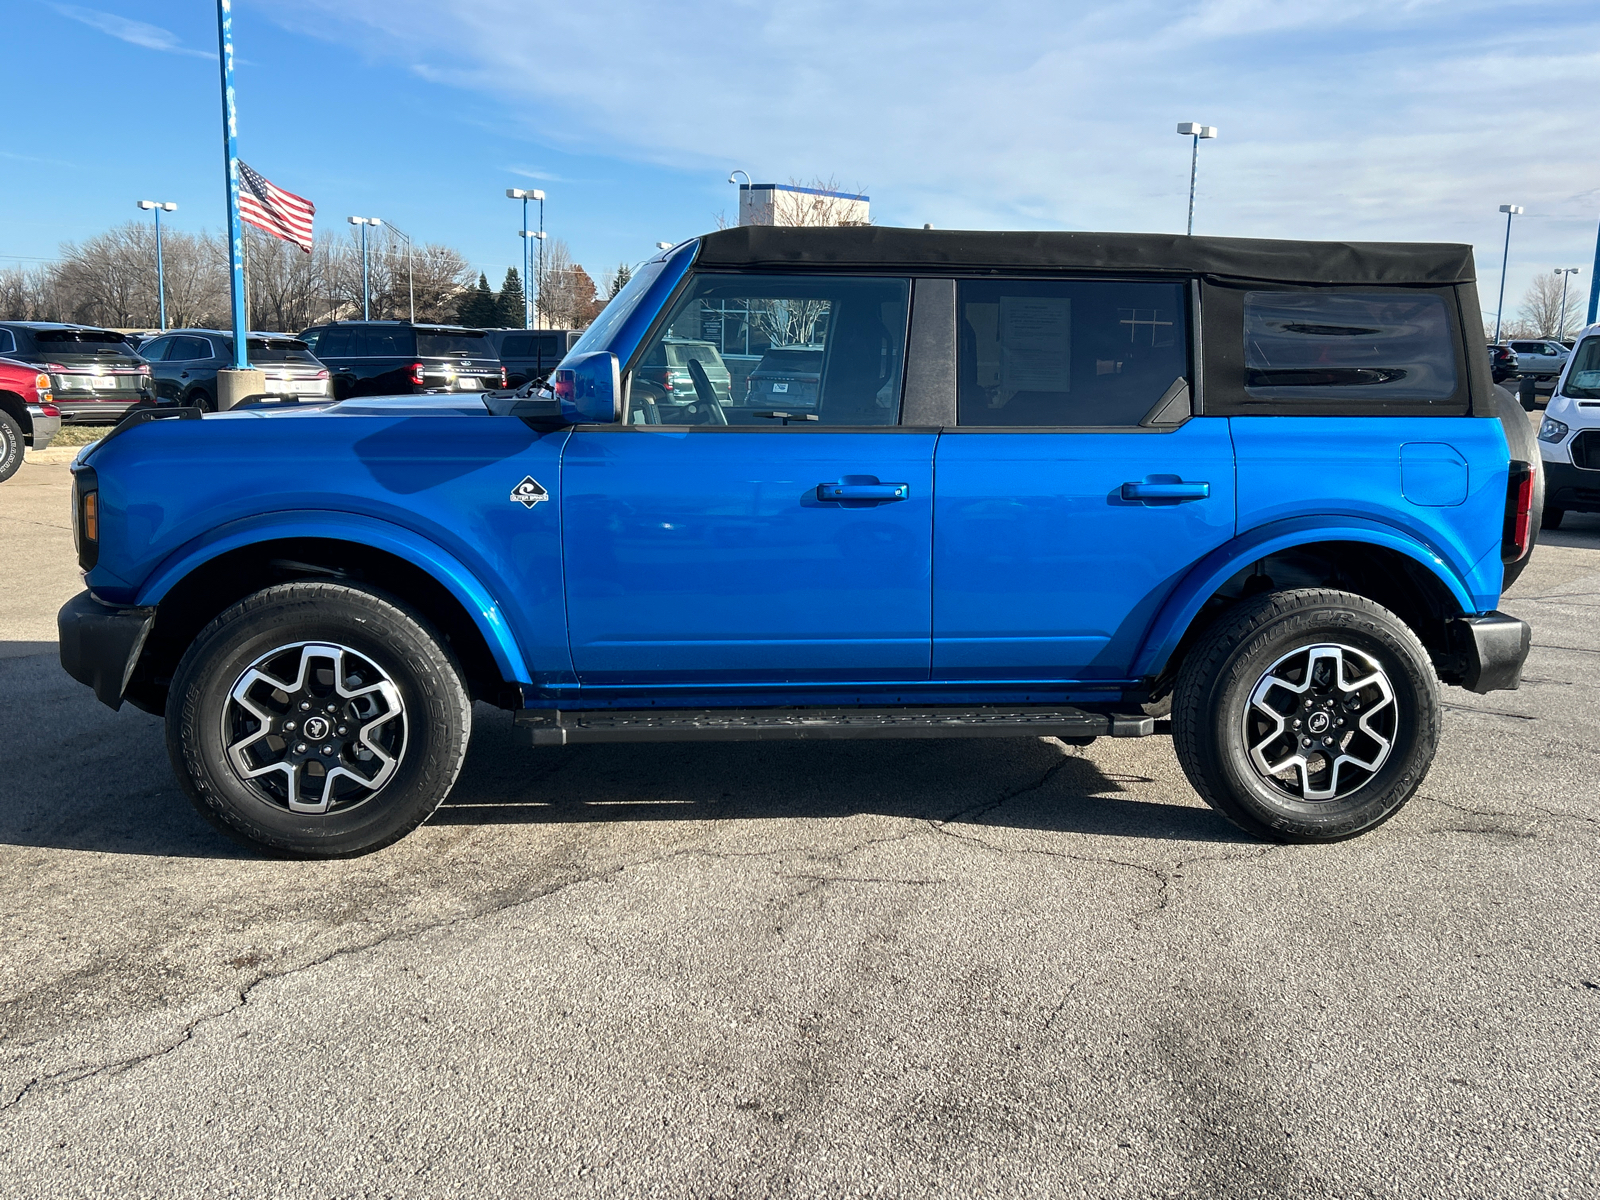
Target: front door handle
pixel 863 491
pixel 1170 489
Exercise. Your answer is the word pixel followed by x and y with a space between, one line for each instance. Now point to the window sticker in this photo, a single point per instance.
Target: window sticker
pixel 1035 345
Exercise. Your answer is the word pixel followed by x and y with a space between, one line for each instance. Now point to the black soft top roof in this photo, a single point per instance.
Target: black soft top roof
pixel 1228 258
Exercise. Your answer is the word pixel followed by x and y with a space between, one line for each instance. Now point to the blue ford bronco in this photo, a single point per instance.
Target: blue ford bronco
pixel 1261 496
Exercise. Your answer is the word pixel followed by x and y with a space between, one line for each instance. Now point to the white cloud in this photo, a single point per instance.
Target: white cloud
pixel 136 33
pixel 1402 119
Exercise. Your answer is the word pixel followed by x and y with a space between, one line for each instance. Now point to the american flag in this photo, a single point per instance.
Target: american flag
pixel 282 214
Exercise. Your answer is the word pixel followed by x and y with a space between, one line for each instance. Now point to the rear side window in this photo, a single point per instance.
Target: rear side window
pixel 517 345
pixel 337 342
pixel 8 344
pixel 1045 353
pixel 1348 346
pixel 1583 376
pixel 188 349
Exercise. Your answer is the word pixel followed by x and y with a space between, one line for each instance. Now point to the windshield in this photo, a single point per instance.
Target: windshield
pixel 461 345
pixel 1583 375
pixel 618 309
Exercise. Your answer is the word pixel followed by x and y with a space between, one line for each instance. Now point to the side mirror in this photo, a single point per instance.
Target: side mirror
pixel 589 388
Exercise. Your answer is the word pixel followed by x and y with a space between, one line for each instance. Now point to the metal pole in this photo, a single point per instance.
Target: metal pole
pixel 1499 308
pixel 541 246
pixel 527 290
pixel 161 277
pixel 1194 167
pixel 1561 317
pixel 411 282
pixel 230 150
pixel 1594 284
pixel 364 311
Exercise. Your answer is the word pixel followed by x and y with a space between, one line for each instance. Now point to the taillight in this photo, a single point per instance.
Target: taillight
pixel 666 380
pixel 320 375
pixel 502 377
pixel 1519 513
pixel 416 374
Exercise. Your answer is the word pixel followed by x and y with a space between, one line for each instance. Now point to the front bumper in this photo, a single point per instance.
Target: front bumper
pixel 1571 488
pixel 44 429
pixel 1491 648
pixel 100 644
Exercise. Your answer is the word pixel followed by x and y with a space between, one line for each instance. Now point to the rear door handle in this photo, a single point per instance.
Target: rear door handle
pixel 863 491
pixel 1174 491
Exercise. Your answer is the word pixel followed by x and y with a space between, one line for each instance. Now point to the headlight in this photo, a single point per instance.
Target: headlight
pixel 1551 430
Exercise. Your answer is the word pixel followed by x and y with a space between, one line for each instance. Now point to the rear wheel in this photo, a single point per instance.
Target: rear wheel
pixel 10 446
pixel 201 400
pixel 1307 716
pixel 317 720
pixel 1552 517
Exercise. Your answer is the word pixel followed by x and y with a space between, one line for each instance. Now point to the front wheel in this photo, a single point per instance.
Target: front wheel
pixel 317 720
pixel 1307 716
pixel 10 446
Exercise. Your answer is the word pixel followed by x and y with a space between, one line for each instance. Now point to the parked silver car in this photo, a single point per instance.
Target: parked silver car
pixel 1541 357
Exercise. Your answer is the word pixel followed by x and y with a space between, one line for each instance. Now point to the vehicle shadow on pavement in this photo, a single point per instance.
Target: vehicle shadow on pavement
pixel 1020 783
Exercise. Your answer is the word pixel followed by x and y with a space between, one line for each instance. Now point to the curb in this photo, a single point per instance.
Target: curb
pixel 54 456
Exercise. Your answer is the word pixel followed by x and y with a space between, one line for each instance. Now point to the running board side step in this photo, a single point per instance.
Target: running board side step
pixel 552 727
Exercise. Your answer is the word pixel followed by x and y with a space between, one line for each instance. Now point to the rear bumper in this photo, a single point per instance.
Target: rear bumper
pixel 100 644
pixel 1571 488
pixel 1492 648
pixel 96 411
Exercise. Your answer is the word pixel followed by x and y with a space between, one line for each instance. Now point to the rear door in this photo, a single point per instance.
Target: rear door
pixel 713 543
pixel 1076 488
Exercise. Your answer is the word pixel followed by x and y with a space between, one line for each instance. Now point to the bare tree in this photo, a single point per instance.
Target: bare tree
pixel 567 298
pixel 1541 313
pixel 816 202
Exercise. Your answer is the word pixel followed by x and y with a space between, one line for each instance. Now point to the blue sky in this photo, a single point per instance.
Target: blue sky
pixel 1400 119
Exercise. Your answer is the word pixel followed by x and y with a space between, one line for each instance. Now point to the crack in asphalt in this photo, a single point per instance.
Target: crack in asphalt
pixel 1553 814
pixel 77 1074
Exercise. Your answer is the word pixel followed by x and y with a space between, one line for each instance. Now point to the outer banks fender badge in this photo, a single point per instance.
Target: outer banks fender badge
pixel 529 492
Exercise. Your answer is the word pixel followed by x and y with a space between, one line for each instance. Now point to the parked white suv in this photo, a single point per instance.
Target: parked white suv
pixel 1541 357
pixel 1569 435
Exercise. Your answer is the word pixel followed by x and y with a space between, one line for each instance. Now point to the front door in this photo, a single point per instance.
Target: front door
pixel 718 539
pixel 1076 490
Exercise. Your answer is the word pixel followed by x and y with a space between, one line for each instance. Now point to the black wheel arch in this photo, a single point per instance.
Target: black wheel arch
pixel 17 407
pixel 216 585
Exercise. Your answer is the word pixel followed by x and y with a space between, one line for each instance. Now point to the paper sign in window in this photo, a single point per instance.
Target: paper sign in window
pixel 1035 344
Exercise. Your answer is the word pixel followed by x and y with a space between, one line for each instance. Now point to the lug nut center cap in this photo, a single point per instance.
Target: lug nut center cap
pixel 1317 722
pixel 316 727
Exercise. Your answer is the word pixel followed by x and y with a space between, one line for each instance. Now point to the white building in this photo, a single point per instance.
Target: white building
pixel 785 204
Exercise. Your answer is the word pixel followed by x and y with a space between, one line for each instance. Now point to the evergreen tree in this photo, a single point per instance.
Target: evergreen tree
pixel 619 280
pixel 512 300
pixel 479 309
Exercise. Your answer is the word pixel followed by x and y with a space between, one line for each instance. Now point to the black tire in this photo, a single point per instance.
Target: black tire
pixel 1213 716
pixel 412 757
pixel 1551 518
pixel 10 446
pixel 201 400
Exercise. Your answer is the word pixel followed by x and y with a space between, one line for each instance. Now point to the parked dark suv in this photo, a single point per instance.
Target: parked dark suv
pixel 185 362
pixel 396 358
pixel 95 374
pixel 529 355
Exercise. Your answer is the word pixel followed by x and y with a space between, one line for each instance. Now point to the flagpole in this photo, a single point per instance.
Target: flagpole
pixel 230 133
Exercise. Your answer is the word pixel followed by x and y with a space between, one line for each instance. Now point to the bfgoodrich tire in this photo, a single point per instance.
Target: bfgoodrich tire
pixel 317 720
pixel 10 446
pixel 1307 716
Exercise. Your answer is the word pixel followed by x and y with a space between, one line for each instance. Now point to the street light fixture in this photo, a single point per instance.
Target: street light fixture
pixel 1510 210
pixel 364 222
pixel 526 194
pixel 1561 320
pixel 663 245
pixel 158 207
pixel 731 179
pixel 1190 129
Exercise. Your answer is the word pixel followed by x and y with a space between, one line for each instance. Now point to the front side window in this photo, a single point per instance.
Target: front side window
pixel 771 350
pixel 1357 346
pixel 1583 374
pixel 340 343
pixel 1089 353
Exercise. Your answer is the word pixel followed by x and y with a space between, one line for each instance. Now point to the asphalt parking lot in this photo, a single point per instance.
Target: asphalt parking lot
pixel 963 968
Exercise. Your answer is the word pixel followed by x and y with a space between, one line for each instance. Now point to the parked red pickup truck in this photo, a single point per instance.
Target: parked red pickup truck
pixel 27 416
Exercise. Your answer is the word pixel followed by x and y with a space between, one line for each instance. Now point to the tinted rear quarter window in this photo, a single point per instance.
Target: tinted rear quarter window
pixel 518 345
pixel 388 343
pixel 8 344
pixel 1070 353
pixel 1348 346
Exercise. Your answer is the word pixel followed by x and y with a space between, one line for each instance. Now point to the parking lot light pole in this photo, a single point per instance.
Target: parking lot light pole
pixel 411 286
pixel 1561 316
pixel 1594 285
pixel 364 222
pixel 1510 210
pixel 1190 129
pixel 528 287
pixel 158 207
pixel 739 219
